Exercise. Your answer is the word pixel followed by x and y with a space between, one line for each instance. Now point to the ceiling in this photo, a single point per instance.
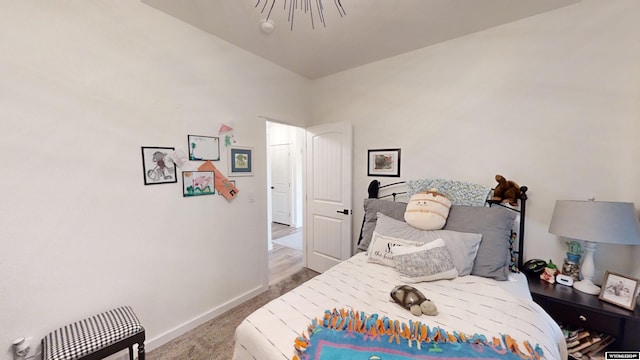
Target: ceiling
pixel 371 30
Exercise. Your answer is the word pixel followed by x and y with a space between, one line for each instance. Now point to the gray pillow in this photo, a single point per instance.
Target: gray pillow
pixel 462 246
pixel 428 262
pixel 371 209
pixel 494 223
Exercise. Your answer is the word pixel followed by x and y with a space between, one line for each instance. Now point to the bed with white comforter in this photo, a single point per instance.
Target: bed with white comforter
pixel 481 297
pixel 468 304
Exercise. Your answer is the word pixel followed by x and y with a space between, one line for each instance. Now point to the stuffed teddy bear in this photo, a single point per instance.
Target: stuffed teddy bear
pixel 413 300
pixel 506 191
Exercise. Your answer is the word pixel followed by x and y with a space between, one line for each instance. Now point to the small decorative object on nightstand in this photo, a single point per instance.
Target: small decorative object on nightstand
pixel 620 290
pixel 565 280
pixel 595 222
pixel 549 273
pixel 571 265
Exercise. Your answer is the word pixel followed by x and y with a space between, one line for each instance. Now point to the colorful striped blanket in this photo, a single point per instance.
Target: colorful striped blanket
pixel 349 334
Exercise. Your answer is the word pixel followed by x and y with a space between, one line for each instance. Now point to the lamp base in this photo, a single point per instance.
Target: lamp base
pixel 587 286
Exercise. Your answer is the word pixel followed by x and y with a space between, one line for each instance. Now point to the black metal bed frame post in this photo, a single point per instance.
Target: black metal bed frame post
pixel 523 208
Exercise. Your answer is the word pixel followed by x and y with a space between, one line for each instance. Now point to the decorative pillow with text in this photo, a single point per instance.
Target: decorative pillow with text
pixel 380 248
pixel 463 247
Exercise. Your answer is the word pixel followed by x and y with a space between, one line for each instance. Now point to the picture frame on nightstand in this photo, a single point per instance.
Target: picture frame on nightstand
pixel 619 290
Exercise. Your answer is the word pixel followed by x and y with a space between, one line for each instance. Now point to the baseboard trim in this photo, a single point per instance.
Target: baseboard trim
pixel 201 319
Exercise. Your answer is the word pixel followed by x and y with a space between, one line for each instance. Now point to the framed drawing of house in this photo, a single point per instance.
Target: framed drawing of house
pixel 240 161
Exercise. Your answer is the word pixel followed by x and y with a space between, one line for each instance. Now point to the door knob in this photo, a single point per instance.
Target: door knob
pixel 345 211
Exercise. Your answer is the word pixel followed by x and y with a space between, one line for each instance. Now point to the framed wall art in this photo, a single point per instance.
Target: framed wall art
pixel 619 290
pixel 384 162
pixel 196 183
pixel 240 161
pixel 204 147
pixel 156 168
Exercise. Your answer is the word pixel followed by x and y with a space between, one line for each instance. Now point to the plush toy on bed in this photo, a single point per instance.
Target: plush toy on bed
pixel 413 300
pixel 506 191
pixel 427 210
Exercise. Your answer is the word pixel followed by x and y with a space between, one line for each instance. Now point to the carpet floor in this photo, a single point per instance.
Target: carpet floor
pixel 214 340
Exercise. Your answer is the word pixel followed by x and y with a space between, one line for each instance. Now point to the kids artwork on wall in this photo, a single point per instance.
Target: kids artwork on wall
pixel 203 147
pixel 232 184
pixel 196 183
pixel 226 132
pixel 225 187
pixel 240 161
pixel 157 167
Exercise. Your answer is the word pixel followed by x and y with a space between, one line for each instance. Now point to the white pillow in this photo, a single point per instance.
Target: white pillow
pixel 427 262
pixel 462 246
pixel 379 250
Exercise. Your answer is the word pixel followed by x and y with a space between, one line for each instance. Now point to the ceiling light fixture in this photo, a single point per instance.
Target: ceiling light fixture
pixel 267 26
pixel 305 5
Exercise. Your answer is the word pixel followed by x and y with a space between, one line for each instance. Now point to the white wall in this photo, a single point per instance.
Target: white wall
pixel 83 85
pixel 551 101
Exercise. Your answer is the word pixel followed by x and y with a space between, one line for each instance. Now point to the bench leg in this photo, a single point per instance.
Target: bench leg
pixel 141 350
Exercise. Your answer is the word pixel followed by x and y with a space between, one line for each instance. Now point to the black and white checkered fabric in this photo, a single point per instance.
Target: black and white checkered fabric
pixel 86 336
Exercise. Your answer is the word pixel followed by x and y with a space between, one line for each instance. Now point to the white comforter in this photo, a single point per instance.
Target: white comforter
pixel 468 304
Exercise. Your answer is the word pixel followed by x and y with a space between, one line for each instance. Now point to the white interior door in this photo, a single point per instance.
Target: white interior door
pixel 281 183
pixel 328 223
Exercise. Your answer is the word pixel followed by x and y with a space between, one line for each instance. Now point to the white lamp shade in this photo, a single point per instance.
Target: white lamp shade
pixel 596 221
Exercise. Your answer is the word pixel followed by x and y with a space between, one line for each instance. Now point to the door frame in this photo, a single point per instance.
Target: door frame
pixel 302 210
pixel 299 206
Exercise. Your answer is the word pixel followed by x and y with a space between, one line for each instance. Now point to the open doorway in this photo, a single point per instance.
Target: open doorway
pixel 285 145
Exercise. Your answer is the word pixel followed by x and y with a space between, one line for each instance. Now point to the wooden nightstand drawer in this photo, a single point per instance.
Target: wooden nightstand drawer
pixel 572 315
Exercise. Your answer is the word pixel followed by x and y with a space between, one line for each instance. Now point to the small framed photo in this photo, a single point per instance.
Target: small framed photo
pixel 384 162
pixel 619 290
pixel 204 147
pixel 156 167
pixel 196 183
pixel 240 161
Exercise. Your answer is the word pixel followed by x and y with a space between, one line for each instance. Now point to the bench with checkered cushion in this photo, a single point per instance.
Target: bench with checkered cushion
pixel 96 337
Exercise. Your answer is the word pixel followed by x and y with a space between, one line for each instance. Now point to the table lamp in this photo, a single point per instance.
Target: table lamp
pixel 595 222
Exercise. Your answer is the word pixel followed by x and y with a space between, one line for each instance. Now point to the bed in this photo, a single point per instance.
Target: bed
pixel 484 311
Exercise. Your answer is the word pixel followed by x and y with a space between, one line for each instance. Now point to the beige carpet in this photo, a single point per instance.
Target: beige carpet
pixel 214 339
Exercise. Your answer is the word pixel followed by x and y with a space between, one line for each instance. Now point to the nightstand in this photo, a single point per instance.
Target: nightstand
pixel 572 307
